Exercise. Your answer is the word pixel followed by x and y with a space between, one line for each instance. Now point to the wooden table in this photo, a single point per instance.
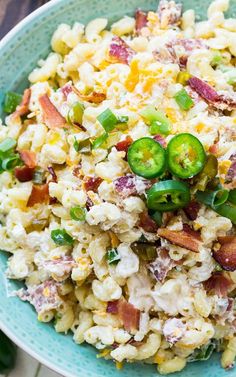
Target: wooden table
pixel 12 11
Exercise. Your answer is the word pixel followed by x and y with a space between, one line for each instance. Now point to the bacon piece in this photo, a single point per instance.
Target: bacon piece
pixel 161 140
pixel 123 145
pixel 89 203
pixel 192 209
pixel 120 52
pixel 231 173
pixel 226 255
pixel 43 297
pixel 23 107
pixel 94 97
pixel 191 232
pixel 169 13
pixel 66 90
pixel 173 330
pixel 219 101
pixel 140 20
pixel 39 194
pixel 24 174
pixel 162 264
pixel 28 157
pixel 129 315
pixel 181 238
pixel 147 223
pixel 92 183
pixel 214 148
pixel 112 307
pixel 131 185
pixel 76 171
pixel 53 174
pixel 51 116
pixel 218 284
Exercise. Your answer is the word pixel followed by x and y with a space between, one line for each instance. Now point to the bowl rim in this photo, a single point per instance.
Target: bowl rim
pixel 3 42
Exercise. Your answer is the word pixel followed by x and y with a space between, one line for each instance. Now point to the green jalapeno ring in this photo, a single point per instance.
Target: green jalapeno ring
pixel 168 195
pixel 186 156
pixel 146 158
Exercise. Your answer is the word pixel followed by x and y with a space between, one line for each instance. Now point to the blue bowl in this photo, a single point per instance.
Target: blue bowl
pixel 19 52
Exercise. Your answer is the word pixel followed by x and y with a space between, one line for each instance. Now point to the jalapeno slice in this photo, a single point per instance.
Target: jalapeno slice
pixel 185 155
pixel 146 158
pixel 168 195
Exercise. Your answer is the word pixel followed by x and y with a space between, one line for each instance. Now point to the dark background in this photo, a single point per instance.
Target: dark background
pixel 12 11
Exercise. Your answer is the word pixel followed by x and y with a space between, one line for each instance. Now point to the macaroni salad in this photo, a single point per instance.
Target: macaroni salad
pixel 118 186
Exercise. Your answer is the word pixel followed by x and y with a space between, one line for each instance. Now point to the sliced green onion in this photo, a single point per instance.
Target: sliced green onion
pixel 217 59
pixel 159 122
pixel 39 176
pixel 122 119
pixel 184 101
pixel 99 141
pixel 75 114
pixel 78 213
pixel 84 146
pixel 12 100
pixel 202 353
pixel 213 198
pixel 11 162
pixel 232 196
pixel 227 210
pixel 7 145
pixel 61 237
pixel 113 256
pixel 108 120
pixel 157 217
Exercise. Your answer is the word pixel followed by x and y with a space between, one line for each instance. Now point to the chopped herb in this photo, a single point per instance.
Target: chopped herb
pixel 108 120
pixel 7 145
pixel 61 237
pixel 84 146
pixel 113 256
pixel 99 141
pixel 202 353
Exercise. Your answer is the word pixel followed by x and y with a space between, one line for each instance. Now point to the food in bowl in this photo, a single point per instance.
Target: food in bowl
pixel 118 186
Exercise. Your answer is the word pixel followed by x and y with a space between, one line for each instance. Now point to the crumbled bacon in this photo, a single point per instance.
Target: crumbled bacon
pixel 161 140
pixel 123 145
pixel 231 173
pixel 51 116
pixel 131 185
pixel 39 194
pixel 169 13
pixel 112 307
pixel 218 284
pixel 173 330
pixel 76 171
pixel 181 238
pixel 119 51
pixel 92 183
pixel 226 255
pixel 162 264
pixel 140 20
pixel 23 107
pixel 195 234
pixel 24 174
pixel 66 90
pixel 53 174
pixel 93 97
pixel 219 101
pixel 214 148
pixel 28 157
pixel 129 315
pixel 89 203
pixel 43 297
pixel 192 209
pixel 147 223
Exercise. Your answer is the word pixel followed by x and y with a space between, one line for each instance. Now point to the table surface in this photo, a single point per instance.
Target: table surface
pixel 11 12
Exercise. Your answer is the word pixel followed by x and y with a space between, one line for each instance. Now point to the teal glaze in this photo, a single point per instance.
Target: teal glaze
pixel 19 53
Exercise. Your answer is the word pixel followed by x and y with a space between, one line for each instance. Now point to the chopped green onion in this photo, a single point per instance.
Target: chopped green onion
pixel 157 217
pixel 202 353
pixel 84 146
pixel 75 115
pixel 113 256
pixel 11 162
pixel 217 59
pixel 7 145
pixel 122 119
pixel 184 101
pixel 208 173
pixel 78 213
pixel 61 237
pixel 227 210
pixel 159 122
pixel 213 198
pixel 108 120
pixel 232 196
pixel 38 176
pixel 99 141
pixel 12 100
